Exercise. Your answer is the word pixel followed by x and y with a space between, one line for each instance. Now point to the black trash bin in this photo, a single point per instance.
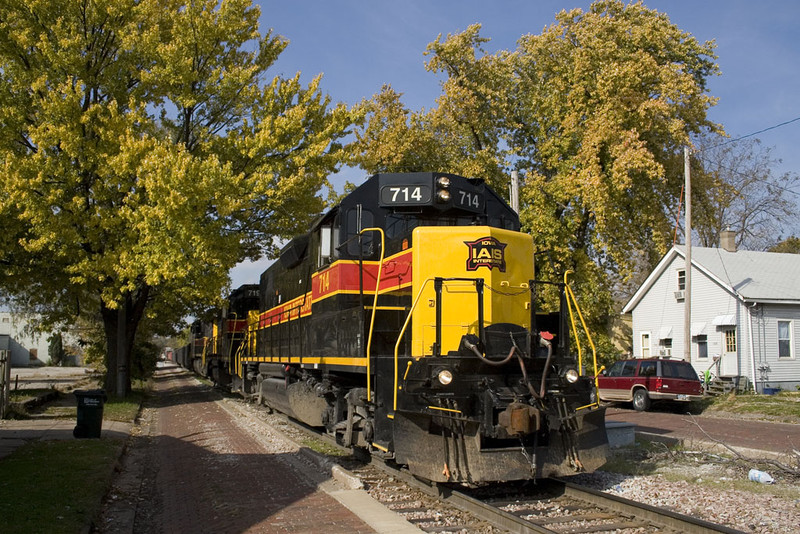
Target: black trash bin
pixel 90 412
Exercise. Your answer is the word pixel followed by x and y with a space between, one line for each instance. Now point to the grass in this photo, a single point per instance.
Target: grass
pixel 65 406
pixel 784 406
pixel 716 471
pixel 22 395
pixel 58 486
pixel 55 486
pixel 323 448
pixel 126 409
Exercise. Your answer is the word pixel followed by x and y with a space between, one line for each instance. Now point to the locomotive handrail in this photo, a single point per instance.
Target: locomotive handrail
pixel 438 281
pixel 374 307
pixel 400 338
pixel 572 300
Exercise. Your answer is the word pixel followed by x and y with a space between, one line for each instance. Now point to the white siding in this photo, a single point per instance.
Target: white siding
pixel 772 369
pixel 21 343
pixel 734 287
pixel 659 310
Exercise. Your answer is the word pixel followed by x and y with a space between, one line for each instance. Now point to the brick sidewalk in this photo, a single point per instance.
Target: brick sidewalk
pixel 194 469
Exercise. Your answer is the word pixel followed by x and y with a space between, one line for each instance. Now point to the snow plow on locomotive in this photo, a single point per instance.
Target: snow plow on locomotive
pixel 406 322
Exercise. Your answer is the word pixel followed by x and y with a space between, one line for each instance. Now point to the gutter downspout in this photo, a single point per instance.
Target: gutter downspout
pixel 752 351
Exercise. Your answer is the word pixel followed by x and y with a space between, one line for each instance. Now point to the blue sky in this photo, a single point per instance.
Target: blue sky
pixel 360 45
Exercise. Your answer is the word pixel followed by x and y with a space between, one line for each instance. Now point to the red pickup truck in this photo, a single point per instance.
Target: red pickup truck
pixel 642 381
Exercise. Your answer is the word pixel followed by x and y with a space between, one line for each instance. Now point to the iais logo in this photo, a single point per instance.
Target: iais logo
pixel 486 252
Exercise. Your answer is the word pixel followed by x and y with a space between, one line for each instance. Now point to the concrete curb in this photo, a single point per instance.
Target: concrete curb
pixel 337 472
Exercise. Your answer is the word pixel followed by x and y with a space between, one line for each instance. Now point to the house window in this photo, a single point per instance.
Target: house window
pixel 34 353
pixel 645 344
pixel 665 347
pixel 702 347
pixel 681 280
pixel 785 345
pixel 730 340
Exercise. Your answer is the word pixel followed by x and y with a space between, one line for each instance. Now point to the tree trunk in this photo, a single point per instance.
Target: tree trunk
pixel 120 327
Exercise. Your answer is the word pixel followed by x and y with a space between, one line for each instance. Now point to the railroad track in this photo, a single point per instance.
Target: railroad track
pixel 555 506
pixel 548 506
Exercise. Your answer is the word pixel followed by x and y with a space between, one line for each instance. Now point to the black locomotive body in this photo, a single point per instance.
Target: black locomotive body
pixel 405 322
pixel 214 343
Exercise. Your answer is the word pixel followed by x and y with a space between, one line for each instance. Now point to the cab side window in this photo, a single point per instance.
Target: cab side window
pixel 328 244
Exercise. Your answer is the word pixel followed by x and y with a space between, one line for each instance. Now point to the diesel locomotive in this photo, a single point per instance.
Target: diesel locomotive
pixel 407 322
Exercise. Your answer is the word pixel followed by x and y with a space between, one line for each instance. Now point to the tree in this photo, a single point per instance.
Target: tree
pixel 145 154
pixel 595 111
pixel 733 186
pixel 55 349
pixel 790 245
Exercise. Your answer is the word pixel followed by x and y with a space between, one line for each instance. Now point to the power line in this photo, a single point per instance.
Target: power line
pixel 752 134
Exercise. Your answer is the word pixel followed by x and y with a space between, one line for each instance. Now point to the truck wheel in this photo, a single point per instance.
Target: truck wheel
pixel 641 401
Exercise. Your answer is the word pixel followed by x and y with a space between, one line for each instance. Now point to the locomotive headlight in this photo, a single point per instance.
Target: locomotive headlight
pixel 571 375
pixel 443 182
pixel 443 196
pixel 445 376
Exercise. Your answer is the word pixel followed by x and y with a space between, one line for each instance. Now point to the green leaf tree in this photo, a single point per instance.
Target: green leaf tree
pixel 55 349
pixel 145 153
pixel 790 245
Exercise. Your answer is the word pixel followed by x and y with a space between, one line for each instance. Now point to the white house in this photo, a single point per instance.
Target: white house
pixel 745 314
pixel 24 348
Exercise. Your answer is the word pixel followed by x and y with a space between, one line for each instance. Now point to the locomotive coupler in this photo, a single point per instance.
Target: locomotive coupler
pixel 519 419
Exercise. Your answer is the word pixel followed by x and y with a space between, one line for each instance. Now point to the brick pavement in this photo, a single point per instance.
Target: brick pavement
pixel 195 470
pixel 775 438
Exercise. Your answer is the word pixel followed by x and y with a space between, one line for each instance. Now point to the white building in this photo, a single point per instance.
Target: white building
pixel 25 349
pixel 745 309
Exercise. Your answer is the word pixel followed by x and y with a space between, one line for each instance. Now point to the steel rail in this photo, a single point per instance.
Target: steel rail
pixel 660 516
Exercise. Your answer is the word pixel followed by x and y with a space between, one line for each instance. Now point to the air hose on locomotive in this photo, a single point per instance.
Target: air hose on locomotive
pixel 544 340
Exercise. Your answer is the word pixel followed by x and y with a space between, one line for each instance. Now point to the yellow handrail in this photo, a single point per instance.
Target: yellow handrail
pixel 374 308
pixel 570 301
pixel 400 338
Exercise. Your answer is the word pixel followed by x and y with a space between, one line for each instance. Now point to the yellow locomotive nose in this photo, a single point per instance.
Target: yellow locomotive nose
pixel 502 259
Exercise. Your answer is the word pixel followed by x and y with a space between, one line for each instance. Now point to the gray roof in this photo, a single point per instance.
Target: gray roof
pixel 753 276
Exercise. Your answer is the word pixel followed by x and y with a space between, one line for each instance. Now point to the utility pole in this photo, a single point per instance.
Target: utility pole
pixel 687 301
pixel 514 193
